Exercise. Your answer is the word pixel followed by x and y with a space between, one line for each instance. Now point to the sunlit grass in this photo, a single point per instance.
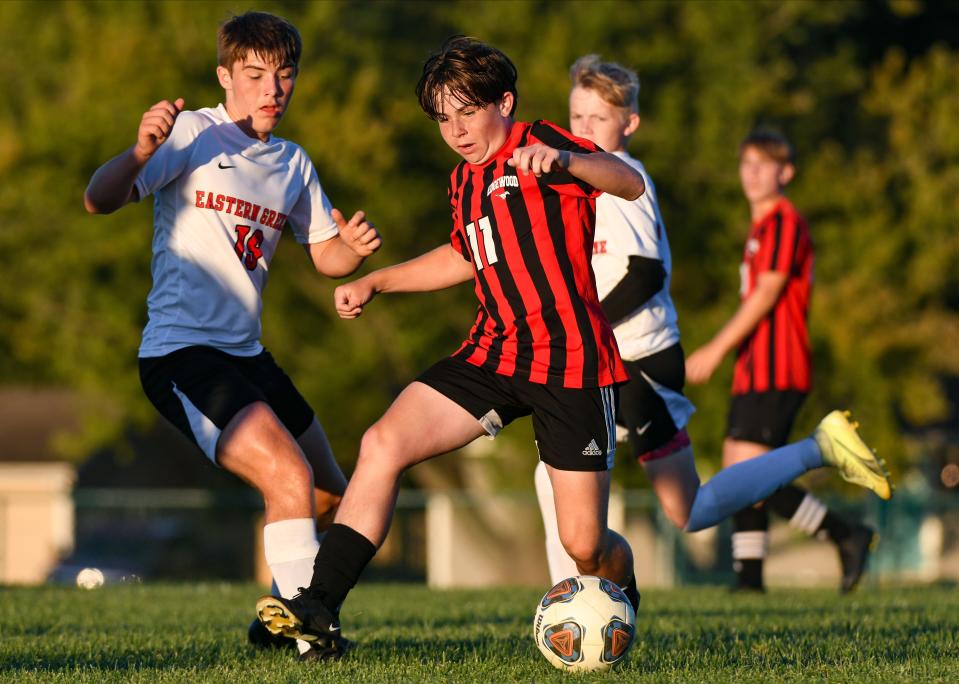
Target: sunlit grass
pixel 193 633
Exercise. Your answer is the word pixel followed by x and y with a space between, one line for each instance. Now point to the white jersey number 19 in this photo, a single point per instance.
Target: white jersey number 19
pixel 248 246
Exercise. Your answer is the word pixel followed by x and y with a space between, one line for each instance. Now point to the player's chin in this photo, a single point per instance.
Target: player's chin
pixel 267 122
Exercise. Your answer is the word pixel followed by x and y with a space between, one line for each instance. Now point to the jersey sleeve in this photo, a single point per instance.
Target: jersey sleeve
pixel 558 138
pixel 311 217
pixel 171 158
pixel 779 245
pixel 632 228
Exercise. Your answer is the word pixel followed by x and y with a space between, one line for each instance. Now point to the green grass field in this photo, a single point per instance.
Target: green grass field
pixel 184 633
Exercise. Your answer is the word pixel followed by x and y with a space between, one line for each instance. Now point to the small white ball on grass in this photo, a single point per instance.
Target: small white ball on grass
pixel 90 578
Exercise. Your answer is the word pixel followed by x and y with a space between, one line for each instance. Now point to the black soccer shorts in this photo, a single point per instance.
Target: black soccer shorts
pixel 574 428
pixel 200 389
pixel 652 406
pixel 764 417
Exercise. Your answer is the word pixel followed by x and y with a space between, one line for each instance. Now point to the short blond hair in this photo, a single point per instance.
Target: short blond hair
pixel 616 84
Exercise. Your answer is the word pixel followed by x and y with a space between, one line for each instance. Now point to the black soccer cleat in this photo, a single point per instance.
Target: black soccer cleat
pixel 329 648
pixel 301 617
pixel 853 554
pixel 260 637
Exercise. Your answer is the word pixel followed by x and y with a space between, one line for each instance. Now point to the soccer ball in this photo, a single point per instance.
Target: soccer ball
pixel 90 578
pixel 584 624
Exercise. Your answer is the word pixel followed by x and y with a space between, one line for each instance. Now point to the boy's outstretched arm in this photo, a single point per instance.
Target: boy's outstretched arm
pixel 602 170
pixel 342 254
pixel 111 186
pixel 701 364
pixel 436 270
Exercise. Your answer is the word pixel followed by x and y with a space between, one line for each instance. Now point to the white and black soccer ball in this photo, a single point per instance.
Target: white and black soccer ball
pixel 584 624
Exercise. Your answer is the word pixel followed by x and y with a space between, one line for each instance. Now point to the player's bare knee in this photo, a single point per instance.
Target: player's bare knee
pixel 254 426
pixel 326 504
pixel 585 552
pixel 381 448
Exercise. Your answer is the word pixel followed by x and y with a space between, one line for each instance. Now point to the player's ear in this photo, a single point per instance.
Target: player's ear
pixel 631 124
pixel 225 78
pixel 786 173
pixel 506 104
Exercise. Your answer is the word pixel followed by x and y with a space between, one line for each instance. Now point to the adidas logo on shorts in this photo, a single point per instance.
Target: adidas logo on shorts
pixel 592 449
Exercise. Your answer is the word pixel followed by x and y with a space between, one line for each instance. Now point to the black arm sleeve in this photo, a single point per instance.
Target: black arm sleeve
pixel 644 278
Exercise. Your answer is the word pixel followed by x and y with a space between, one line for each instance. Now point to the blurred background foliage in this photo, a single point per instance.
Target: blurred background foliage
pixel 867 91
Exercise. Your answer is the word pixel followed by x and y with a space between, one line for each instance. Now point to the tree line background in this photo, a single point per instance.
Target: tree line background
pixel 867 91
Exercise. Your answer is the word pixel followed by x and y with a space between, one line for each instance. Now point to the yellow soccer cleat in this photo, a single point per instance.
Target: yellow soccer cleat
pixel 843 449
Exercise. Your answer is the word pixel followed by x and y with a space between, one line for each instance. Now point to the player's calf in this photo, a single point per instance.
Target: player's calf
pixel 672 473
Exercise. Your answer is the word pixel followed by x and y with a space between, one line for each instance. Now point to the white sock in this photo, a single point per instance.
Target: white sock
pixel 560 564
pixel 290 547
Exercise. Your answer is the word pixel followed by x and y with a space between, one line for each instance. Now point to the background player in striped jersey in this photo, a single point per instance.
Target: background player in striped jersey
pixel 773 370
pixel 522 202
pixel 225 188
pixel 632 263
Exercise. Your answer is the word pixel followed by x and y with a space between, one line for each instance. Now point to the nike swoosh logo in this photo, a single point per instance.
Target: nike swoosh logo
pixel 334 629
pixel 225 166
pixel 642 430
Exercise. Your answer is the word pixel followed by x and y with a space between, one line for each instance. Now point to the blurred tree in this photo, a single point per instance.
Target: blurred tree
pixel 867 92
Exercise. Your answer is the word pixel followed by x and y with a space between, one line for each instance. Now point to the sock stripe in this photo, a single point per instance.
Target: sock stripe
pixel 750 545
pixel 809 516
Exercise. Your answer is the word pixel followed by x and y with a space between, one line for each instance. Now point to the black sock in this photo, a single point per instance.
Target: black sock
pixel 748 549
pixel 785 502
pixel 749 573
pixel 835 527
pixel 632 592
pixel 338 565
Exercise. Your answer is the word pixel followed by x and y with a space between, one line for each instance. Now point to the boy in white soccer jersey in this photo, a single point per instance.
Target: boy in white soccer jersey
pixel 225 188
pixel 632 264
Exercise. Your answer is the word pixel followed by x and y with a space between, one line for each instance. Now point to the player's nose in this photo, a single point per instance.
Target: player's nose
pixel 273 87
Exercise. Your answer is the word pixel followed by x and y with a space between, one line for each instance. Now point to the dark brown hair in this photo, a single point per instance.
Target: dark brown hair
pixel 267 35
pixel 771 143
pixel 475 73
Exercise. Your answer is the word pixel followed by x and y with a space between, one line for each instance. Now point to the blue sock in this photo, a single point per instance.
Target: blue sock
pixel 745 483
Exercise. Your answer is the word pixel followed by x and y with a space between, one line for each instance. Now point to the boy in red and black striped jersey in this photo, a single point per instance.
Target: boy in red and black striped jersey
pixel 773 370
pixel 523 208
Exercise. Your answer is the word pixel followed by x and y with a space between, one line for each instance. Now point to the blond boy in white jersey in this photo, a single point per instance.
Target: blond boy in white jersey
pixel 632 265
pixel 225 188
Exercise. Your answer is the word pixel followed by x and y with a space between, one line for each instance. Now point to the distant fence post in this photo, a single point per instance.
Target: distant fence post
pixel 36 519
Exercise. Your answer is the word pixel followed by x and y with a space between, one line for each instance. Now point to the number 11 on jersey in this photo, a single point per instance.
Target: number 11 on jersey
pixel 486 229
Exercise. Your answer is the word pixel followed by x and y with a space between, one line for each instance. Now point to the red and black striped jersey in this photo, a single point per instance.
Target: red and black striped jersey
pixel 530 241
pixel 776 356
